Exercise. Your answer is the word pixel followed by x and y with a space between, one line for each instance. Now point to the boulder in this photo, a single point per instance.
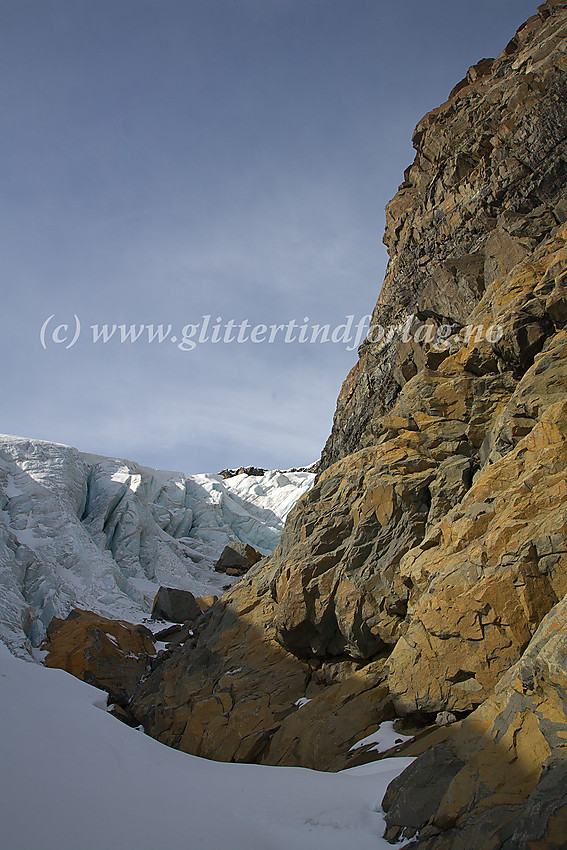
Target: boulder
pixel 237 558
pixel 175 606
pixel 110 654
pixel 205 602
pixel 173 635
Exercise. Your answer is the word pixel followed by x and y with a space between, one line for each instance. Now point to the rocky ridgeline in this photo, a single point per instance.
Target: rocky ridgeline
pixel 259 471
pixel 424 575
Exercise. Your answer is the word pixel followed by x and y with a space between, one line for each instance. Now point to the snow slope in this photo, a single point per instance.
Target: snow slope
pixel 73 776
pixel 104 533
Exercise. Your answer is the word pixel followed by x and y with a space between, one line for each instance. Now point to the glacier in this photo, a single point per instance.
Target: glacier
pixel 83 530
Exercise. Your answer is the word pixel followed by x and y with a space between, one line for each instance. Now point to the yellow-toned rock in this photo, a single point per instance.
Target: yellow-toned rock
pixel 110 654
pixel 503 783
pixel 486 577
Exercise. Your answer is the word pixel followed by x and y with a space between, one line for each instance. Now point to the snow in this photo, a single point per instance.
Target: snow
pixel 382 740
pixel 302 701
pixel 104 533
pixel 74 776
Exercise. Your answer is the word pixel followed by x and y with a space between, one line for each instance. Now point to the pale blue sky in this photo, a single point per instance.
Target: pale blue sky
pixel 167 159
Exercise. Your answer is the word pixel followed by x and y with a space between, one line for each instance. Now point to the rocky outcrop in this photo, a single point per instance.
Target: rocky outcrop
pixel 110 654
pixel 244 470
pixel 430 556
pixel 232 687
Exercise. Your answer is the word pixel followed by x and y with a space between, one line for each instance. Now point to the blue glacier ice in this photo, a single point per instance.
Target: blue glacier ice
pixel 82 530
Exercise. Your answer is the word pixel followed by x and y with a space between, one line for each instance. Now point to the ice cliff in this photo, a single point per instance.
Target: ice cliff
pixel 104 533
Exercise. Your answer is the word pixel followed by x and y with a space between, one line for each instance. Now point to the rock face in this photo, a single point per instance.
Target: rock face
pixel 110 654
pixel 500 779
pixel 429 561
pixel 485 188
pixel 232 692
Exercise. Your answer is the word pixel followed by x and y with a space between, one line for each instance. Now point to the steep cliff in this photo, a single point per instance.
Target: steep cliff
pixel 432 550
pixel 485 188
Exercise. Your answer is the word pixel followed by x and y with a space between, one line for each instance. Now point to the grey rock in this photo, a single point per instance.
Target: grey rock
pixel 237 558
pixel 176 606
pixel 414 797
pixel 544 817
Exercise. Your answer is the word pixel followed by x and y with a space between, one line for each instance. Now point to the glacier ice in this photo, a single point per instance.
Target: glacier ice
pixel 82 530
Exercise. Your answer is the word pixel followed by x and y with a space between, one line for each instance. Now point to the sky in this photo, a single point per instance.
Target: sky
pixel 164 161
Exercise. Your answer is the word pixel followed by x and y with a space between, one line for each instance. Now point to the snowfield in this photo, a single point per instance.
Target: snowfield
pixel 104 533
pixel 75 777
